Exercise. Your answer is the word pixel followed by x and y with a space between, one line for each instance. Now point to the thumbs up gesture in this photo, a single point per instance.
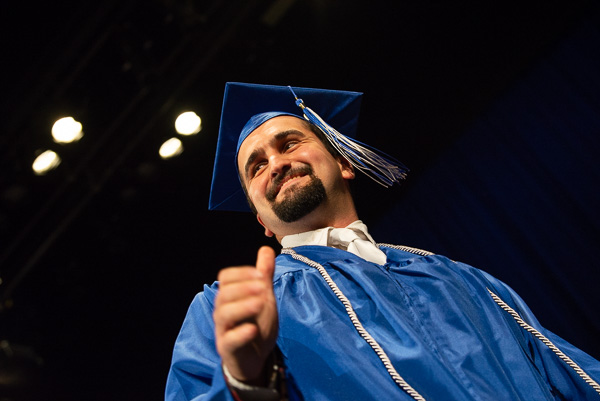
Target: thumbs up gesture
pixel 245 315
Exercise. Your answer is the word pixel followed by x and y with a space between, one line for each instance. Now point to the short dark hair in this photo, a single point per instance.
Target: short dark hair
pixel 319 134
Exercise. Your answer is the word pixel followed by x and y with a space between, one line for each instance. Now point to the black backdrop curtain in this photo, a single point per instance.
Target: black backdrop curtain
pixel 518 194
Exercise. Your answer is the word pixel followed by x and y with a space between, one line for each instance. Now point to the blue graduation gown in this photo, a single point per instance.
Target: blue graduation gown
pixel 434 318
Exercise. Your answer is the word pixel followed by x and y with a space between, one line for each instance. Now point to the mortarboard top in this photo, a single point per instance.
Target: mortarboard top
pixel 242 101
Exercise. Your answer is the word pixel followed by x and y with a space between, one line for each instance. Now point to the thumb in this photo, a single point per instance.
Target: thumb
pixel 265 262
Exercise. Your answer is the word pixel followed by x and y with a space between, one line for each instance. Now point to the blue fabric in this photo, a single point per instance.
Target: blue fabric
pixel 433 317
pixel 256 121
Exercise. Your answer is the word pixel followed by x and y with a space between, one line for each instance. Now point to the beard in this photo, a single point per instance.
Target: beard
pixel 299 202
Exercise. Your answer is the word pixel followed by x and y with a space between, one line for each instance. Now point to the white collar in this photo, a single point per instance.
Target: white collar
pixel 321 235
pixel 353 238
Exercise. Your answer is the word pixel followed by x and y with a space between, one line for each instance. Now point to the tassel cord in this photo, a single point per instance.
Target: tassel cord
pixel 379 167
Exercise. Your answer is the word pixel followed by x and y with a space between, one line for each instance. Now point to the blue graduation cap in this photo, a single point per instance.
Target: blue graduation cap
pixel 247 106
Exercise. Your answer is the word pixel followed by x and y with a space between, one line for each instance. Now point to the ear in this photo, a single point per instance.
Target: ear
pixel 346 168
pixel 268 232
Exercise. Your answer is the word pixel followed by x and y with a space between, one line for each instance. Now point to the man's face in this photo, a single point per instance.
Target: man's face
pixel 287 171
pixel 300 202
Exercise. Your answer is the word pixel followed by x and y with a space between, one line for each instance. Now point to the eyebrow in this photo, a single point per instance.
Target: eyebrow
pixel 276 138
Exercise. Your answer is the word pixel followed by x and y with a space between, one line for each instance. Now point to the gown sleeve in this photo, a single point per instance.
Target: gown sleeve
pixel 196 372
pixel 565 380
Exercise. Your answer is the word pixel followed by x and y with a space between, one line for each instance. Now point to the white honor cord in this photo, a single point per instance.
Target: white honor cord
pixel 546 342
pixel 416 251
pixel 357 324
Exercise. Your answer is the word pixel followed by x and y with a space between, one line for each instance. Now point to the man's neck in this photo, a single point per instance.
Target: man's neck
pixel 317 224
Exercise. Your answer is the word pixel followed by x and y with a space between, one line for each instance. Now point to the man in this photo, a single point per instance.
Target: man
pixel 335 316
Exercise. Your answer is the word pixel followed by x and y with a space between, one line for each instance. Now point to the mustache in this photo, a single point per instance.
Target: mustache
pixel 278 181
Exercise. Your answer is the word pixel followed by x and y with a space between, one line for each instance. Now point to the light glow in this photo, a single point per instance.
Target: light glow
pixel 188 123
pixel 45 162
pixel 67 130
pixel 171 148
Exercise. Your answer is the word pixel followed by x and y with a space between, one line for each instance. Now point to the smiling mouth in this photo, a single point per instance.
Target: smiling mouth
pixel 289 179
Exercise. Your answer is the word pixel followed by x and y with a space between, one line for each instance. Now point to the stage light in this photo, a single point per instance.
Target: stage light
pixel 67 130
pixel 171 148
pixel 45 162
pixel 188 123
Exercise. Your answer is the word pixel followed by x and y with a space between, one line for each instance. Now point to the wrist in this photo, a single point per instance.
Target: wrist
pixel 266 387
pixel 262 379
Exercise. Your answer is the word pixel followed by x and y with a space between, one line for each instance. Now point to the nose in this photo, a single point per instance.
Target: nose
pixel 278 165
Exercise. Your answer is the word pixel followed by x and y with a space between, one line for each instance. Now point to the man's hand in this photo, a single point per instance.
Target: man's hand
pixel 245 316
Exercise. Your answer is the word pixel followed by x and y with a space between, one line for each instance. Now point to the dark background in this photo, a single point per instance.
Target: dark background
pixel 493 107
